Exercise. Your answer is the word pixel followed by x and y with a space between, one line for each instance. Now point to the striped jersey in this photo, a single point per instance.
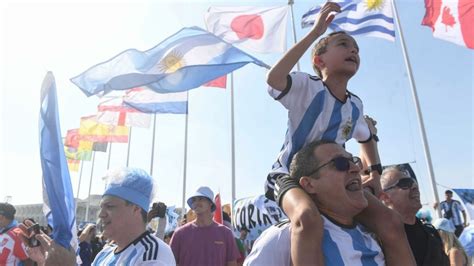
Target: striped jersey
pixel 314 113
pixel 147 249
pixel 341 246
pixel 12 249
pixel 456 208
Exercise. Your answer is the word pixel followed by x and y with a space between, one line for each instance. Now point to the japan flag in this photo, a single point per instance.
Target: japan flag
pixel 259 29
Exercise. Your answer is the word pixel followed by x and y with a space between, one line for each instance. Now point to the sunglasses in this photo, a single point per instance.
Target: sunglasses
pixel 342 164
pixel 403 183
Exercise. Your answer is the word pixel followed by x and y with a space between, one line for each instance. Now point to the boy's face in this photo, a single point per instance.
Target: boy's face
pixel 341 56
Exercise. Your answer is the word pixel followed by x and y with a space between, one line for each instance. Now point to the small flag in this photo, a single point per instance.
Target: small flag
pixel 259 29
pixel 59 204
pixel 75 154
pixel 365 18
pixel 113 111
pixel 73 165
pixel 93 131
pixel 220 82
pixel 148 101
pixel 218 217
pixel 186 60
pixel 451 20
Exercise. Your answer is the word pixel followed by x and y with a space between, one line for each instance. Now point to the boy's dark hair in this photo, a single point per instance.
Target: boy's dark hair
pixel 321 47
pixel 304 162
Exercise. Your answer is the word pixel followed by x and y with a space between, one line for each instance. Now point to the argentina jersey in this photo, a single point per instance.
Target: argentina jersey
pixel 456 209
pixel 341 246
pixel 145 250
pixel 314 114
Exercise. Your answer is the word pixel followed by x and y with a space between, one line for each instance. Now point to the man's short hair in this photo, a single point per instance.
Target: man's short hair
pixel 448 192
pixel 7 210
pixel 304 162
pixel 385 174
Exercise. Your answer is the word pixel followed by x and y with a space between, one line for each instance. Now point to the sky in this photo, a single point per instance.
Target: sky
pixel 67 37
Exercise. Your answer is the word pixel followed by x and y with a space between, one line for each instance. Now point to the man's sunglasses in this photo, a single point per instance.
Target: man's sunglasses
pixel 340 163
pixel 403 183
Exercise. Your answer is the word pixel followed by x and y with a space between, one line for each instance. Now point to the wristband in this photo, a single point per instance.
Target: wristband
pixel 375 167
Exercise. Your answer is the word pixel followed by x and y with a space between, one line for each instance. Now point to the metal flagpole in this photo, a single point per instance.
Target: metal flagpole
pixel 129 141
pixel 109 155
pixel 90 185
pixel 80 178
pixel 232 134
pixel 426 148
pixel 185 154
pixel 153 145
pixel 290 3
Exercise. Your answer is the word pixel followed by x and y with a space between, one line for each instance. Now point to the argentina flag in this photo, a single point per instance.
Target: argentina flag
pixel 186 60
pixel 359 17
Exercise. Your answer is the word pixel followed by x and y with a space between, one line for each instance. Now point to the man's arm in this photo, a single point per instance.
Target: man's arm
pixel 370 156
pixel 276 77
pixel 465 218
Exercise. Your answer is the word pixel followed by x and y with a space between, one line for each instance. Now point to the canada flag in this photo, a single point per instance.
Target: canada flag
pixel 451 20
pixel 259 29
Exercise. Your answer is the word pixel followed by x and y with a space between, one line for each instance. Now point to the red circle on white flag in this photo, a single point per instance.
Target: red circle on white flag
pixel 248 26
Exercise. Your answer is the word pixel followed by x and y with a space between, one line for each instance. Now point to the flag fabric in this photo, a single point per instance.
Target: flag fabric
pixel 74 140
pixel 73 165
pixel 218 218
pixel 75 154
pixel 183 61
pixel 93 131
pixel 57 189
pixel 149 101
pixel 220 82
pixel 365 18
pixel 467 197
pixel 451 20
pixel 113 111
pixel 258 29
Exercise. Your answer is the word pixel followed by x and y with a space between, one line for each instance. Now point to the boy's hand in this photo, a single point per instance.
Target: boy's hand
pixel 325 17
pixel 372 181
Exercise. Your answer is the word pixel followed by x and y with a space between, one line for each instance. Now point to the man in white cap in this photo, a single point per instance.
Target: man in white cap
pixel 203 241
pixel 123 214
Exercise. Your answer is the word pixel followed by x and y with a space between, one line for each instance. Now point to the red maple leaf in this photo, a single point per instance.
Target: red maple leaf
pixel 447 18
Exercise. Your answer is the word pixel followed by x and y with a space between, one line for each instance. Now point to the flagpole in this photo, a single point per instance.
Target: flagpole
pixel 110 153
pixel 185 154
pixel 290 3
pixel 153 146
pixel 80 178
pixel 90 185
pixel 232 124
pixel 129 141
pixel 426 147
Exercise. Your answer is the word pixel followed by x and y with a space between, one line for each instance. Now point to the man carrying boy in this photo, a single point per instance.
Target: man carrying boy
pixel 319 108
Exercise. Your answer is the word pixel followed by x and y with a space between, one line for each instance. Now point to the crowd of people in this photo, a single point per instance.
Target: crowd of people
pixel 342 209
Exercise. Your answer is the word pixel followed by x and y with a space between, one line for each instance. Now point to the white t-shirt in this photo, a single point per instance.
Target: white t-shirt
pixel 145 250
pixel 341 246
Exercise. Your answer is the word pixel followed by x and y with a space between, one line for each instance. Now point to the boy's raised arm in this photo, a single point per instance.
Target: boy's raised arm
pixel 276 77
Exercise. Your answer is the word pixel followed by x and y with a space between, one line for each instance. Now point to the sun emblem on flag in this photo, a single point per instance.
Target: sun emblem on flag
pixel 374 5
pixel 171 62
pixel 346 129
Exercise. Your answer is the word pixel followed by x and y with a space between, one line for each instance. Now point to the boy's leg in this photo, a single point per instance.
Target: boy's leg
pixel 306 223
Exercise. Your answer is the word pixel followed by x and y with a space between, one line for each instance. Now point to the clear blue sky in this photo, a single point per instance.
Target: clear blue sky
pixel 68 37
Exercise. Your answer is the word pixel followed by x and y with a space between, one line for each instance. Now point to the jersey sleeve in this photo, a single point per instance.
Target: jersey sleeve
pixel 461 208
pixel 19 249
pixel 298 92
pixel 361 131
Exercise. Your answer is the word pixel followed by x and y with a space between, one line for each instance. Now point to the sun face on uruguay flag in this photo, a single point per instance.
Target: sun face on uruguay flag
pixel 374 5
pixel 171 62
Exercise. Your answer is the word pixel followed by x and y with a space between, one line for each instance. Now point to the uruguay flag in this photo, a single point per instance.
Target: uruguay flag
pixel 185 60
pixel 59 206
pixel 359 17
pixel 148 101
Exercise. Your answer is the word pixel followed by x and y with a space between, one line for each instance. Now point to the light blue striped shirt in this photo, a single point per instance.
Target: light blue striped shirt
pixel 456 210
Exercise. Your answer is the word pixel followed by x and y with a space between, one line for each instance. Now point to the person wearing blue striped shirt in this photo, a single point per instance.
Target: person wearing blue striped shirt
pixel 330 176
pixel 318 108
pixel 452 210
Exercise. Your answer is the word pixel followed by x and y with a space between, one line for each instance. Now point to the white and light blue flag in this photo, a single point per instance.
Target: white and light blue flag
pixel 359 17
pixel 183 61
pixel 148 101
pixel 59 205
